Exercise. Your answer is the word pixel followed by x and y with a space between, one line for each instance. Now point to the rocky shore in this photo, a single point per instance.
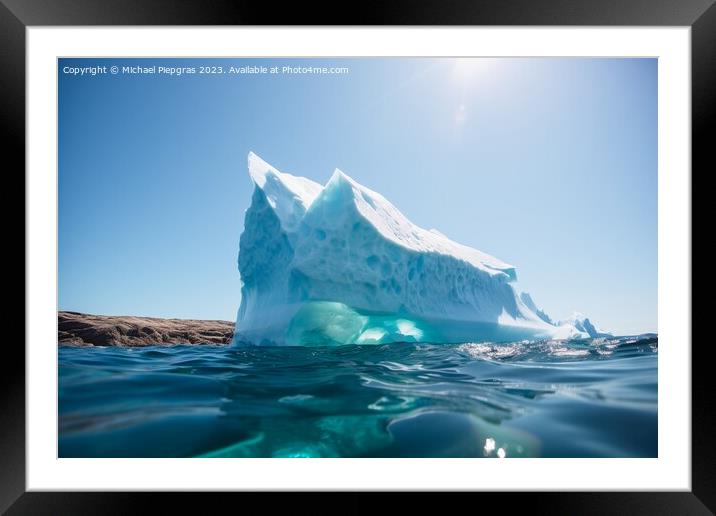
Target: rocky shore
pixel 78 329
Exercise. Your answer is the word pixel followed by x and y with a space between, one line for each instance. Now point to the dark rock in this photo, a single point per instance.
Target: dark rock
pixel 78 329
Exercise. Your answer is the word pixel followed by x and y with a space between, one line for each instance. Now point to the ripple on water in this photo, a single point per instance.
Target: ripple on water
pixel 487 400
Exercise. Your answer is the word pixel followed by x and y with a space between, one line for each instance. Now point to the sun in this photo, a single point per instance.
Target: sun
pixel 469 68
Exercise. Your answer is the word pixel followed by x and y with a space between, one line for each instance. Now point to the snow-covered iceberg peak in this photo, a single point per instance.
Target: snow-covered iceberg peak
pixel 395 227
pixel 289 196
pixel 339 264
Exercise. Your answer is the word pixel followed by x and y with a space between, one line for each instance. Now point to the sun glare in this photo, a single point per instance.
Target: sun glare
pixel 469 73
pixel 467 68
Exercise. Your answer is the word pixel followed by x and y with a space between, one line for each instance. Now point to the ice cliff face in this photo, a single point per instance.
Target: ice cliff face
pixel 338 264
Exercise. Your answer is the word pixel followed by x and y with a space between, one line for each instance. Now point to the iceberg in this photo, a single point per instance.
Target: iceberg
pixel 529 303
pixel 339 264
pixel 584 325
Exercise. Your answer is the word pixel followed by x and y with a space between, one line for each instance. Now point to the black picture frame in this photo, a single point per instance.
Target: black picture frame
pixel 16 15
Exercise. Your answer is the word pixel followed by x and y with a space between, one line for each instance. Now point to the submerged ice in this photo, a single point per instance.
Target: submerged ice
pixel 339 264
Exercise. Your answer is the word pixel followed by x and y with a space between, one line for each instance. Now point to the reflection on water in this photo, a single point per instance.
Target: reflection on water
pixel 585 398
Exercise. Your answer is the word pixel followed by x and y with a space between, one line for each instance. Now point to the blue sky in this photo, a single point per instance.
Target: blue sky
pixel 548 164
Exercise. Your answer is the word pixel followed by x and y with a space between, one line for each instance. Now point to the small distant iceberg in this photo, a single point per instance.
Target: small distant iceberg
pixel 339 264
pixel 584 325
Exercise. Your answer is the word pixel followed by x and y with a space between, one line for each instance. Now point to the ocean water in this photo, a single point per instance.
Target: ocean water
pixel 582 398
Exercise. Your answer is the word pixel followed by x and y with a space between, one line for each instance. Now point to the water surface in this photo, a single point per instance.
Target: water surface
pixel 582 398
